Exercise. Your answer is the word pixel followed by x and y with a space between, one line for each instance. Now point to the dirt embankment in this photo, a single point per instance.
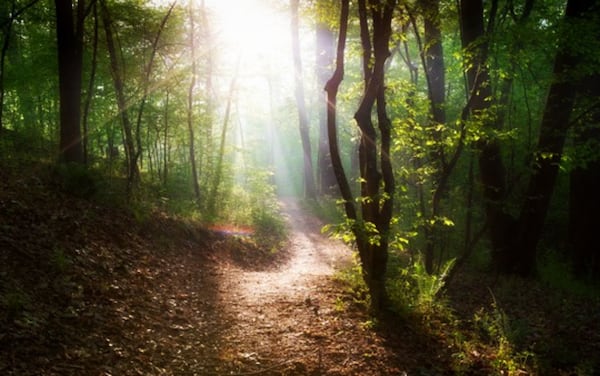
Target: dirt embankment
pixel 87 290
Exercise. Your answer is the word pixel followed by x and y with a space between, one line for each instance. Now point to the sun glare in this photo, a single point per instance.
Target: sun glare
pixel 255 37
pixel 256 29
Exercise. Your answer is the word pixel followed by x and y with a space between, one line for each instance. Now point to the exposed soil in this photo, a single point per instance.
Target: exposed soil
pixel 86 289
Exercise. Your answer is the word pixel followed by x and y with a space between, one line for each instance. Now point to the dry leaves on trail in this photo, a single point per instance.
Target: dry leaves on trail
pixel 86 289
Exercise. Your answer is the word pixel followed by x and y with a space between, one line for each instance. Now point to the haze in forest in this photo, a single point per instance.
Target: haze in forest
pixel 453 146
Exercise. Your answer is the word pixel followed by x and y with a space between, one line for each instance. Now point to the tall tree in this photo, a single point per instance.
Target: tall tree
pixel 309 180
pixel 7 19
pixel 325 50
pixel 221 156
pixel 91 83
pixel 432 55
pixel 146 80
pixel 133 172
pixel 552 136
pixel 190 106
pixel 371 229
pixel 69 35
pixel 584 201
pixel 492 171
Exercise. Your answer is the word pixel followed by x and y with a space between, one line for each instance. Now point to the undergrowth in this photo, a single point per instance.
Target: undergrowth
pixel 490 342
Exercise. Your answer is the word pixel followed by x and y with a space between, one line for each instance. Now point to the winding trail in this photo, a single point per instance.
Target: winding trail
pixel 279 314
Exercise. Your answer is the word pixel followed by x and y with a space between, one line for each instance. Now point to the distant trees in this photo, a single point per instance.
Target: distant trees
pixel 310 189
pixel 440 123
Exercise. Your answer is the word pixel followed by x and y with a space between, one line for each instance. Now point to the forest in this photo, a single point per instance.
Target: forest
pixel 286 187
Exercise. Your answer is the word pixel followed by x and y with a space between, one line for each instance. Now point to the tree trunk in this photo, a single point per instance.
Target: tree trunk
pixel 166 144
pixel 90 88
pixel 69 35
pixel 133 172
pixel 492 172
pixel 208 115
pixel 6 33
pixel 553 132
pixel 190 108
pixel 584 201
pixel 433 61
pixel 324 60
pixel 584 206
pixel 331 89
pixel 221 156
pixel 146 81
pixel 309 181
pixel 376 206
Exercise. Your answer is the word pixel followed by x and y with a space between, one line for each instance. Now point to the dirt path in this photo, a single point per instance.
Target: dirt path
pixel 172 299
pixel 291 320
pixel 279 314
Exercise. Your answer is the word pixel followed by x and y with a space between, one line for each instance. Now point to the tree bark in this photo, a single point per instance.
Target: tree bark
pixel 492 172
pixel 553 132
pixel 221 156
pixel 133 172
pixel 324 60
pixel 584 204
pixel 90 88
pixel 331 88
pixel 432 54
pixel 146 81
pixel 376 206
pixel 69 35
pixel 190 108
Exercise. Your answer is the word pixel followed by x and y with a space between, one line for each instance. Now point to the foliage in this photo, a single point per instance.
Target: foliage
pixel 413 289
pixel 556 273
pixel 352 279
pixel 499 329
pixel 77 179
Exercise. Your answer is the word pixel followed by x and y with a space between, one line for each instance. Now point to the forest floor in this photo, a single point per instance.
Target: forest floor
pixel 86 289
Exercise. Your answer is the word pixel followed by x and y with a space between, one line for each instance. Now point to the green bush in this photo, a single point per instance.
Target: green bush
pixel 76 179
pixel 415 289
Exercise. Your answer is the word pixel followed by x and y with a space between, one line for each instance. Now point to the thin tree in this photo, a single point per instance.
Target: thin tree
pixel 221 156
pixel 492 172
pixel 133 172
pixel 91 83
pixel 325 51
pixel 309 180
pixel 146 80
pixel 6 28
pixel 190 106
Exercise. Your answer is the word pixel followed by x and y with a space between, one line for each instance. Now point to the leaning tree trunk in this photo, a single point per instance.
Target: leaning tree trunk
pixel 133 172
pixel 221 156
pixel 331 89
